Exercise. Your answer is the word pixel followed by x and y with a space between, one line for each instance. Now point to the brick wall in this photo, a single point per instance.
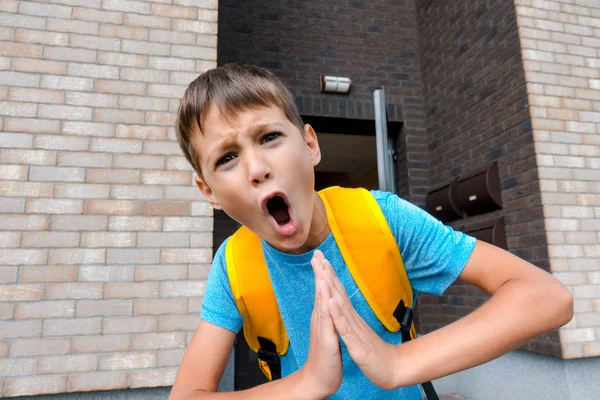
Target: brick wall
pixel 476 113
pixel 372 42
pixel 104 242
pixel 561 53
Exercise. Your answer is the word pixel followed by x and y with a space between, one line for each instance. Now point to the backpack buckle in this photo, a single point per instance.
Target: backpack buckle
pixel 404 316
pixel 408 318
pixel 268 356
pixel 267 351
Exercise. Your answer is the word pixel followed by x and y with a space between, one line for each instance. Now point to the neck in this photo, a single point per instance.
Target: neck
pixel 319 227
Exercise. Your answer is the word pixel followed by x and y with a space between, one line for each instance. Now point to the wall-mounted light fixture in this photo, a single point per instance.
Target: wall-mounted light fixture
pixel 335 84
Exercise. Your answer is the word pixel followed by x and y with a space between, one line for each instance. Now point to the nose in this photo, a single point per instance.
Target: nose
pixel 257 166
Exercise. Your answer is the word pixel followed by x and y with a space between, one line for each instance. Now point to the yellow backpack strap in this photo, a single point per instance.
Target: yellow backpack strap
pixel 371 254
pixel 253 293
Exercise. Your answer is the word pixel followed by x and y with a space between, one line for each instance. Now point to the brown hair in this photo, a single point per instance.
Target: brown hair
pixel 231 88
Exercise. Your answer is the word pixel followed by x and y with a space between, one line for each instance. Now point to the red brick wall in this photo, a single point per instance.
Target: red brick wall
pixel 477 112
pixel 372 42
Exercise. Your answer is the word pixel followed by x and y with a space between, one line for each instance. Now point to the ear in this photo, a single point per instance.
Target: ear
pixel 207 192
pixel 310 137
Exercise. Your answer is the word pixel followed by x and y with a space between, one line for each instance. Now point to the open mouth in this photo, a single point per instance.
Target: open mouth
pixel 280 213
pixel 279 210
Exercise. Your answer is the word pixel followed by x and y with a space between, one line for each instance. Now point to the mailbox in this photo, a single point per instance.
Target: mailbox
pixel 492 232
pixel 442 203
pixel 479 192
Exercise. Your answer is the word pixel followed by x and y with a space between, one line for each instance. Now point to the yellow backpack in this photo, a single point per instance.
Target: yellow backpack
pixel 364 239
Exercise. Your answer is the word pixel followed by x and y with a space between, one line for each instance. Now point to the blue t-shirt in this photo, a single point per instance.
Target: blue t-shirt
pixel 434 255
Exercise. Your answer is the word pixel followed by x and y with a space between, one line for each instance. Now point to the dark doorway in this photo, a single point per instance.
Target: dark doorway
pixel 349 154
pixel 347 160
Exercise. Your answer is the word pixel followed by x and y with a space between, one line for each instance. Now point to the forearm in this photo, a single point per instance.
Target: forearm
pixel 517 312
pixel 290 387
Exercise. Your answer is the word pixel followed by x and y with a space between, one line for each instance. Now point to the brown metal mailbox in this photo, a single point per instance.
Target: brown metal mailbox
pixel 492 232
pixel 479 192
pixel 442 203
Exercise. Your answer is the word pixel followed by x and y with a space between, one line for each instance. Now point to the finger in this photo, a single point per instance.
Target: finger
pixel 342 303
pixel 325 290
pixel 325 328
pixel 337 291
pixel 330 274
pixel 319 277
pixel 319 255
pixel 334 286
pixel 327 331
pixel 334 289
pixel 317 266
pixel 341 322
pixel 321 305
pixel 349 330
pixel 313 317
pixel 322 294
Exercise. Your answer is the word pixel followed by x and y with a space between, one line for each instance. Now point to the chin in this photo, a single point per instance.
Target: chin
pixel 293 244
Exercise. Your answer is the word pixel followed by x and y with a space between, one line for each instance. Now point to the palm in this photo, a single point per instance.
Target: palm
pixel 367 349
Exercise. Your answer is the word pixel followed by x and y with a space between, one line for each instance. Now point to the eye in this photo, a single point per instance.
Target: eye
pixel 269 137
pixel 225 159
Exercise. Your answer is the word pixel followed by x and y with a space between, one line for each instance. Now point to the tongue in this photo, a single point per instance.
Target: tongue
pixel 281 215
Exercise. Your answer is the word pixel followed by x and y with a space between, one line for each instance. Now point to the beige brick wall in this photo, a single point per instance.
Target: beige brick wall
pixel 104 241
pixel 561 51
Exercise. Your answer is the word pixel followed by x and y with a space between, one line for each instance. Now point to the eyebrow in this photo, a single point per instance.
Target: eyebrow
pixel 265 127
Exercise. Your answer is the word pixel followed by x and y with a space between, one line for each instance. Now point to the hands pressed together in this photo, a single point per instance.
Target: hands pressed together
pixel 334 314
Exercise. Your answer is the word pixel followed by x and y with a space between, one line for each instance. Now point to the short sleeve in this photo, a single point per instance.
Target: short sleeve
pixel 219 306
pixel 434 255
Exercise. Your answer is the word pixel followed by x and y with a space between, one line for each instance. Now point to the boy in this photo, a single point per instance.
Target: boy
pixel 239 128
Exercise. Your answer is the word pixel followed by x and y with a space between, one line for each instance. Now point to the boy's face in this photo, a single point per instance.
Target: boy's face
pixel 259 169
